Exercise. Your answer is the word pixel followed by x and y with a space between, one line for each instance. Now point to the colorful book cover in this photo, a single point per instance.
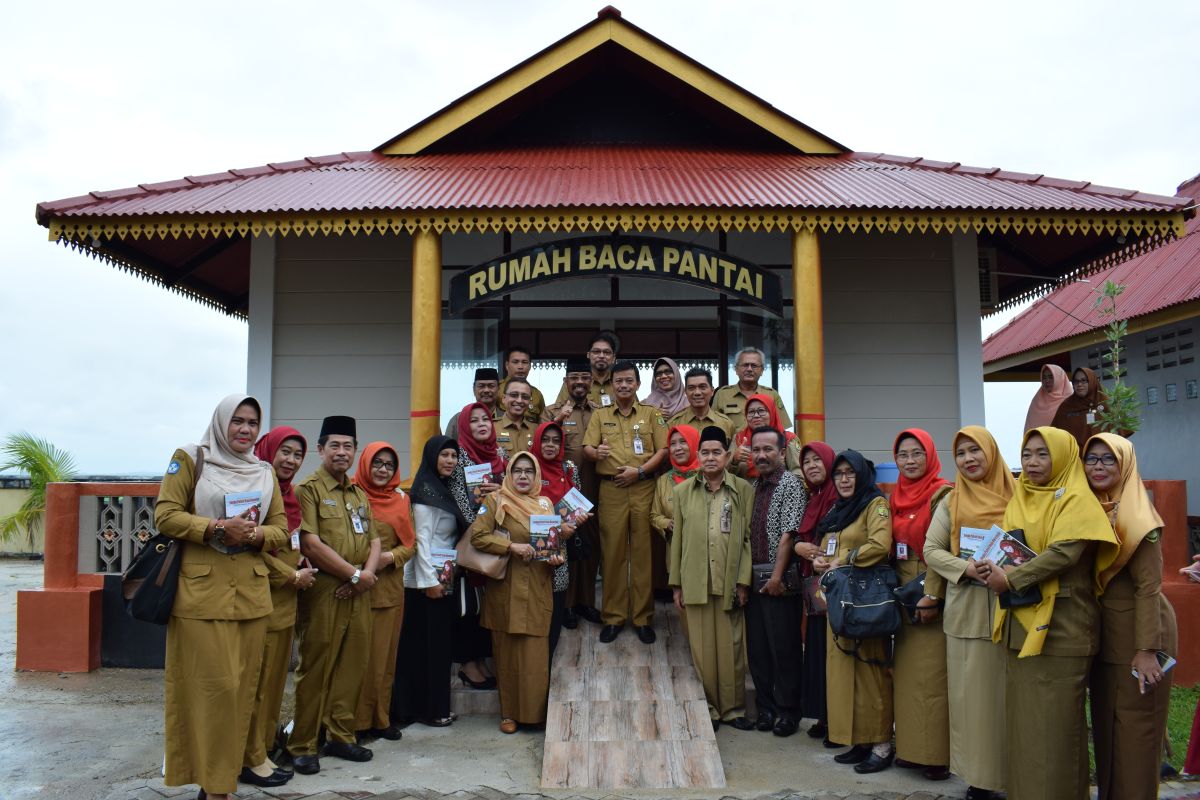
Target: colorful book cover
pixel 1002 549
pixel 573 507
pixel 969 540
pixel 545 535
pixel 443 560
pixel 477 475
pixel 238 504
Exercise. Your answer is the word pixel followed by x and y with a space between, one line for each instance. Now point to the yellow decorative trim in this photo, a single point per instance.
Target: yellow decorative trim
pixel 583 41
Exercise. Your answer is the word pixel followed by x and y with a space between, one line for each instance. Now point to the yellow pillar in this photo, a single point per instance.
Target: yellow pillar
pixel 425 392
pixel 809 336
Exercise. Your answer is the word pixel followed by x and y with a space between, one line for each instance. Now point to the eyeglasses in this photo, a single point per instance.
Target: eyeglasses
pixel 390 466
pixel 1108 460
pixel 749 366
pixel 905 455
pixel 663 373
pixel 524 471
pixel 757 412
pixel 1081 381
pixel 597 352
pixel 843 476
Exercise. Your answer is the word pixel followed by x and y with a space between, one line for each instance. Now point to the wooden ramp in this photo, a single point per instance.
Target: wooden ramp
pixel 628 715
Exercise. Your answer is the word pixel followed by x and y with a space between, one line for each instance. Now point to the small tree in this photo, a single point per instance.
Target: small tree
pixel 43 463
pixel 1120 413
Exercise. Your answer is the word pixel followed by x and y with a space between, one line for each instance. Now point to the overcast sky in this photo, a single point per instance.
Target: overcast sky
pixel 101 96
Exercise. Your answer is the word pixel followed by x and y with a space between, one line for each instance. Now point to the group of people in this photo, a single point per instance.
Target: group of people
pixel 706 498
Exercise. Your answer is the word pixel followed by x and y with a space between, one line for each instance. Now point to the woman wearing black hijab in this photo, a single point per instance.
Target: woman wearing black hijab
pixel 857 531
pixel 440 506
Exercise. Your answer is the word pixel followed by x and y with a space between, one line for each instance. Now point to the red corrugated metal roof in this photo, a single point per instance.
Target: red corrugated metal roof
pixel 603 176
pixel 1164 277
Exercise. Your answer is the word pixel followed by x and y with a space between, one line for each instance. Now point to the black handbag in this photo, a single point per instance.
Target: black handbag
pixel 149 583
pixel 910 594
pixel 861 605
pixel 1031 596
pixel 793 584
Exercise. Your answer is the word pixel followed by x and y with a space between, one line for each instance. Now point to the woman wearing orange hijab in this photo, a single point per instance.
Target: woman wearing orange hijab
pixel 922 713
pixel 974 663
pixel 1129 715
pixel 378 474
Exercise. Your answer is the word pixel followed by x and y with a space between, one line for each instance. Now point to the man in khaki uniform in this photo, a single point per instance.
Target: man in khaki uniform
pixel 334 620
pixel 514 431
pixel 698 386
pixel 574 415
pixel 517 363
pixel 731 400
pixel 602 353
pixel 485 388
pixel 628 442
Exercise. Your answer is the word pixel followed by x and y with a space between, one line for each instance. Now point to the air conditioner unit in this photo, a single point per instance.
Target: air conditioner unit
pixel 989 288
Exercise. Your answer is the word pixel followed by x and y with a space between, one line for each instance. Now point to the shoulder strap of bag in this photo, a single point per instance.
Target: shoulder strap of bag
pixel 885 662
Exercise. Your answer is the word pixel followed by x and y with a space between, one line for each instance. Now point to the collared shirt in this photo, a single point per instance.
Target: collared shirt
pixel 779 503
pixel 601 392
pixel 643 422
pixel 573 427
pixel 328 508
pixel 513 437
pixel 713 417
pixel 536 405
pixel 731 401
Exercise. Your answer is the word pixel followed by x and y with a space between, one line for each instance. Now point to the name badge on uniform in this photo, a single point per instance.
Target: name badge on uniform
pixel 902 551
pixel 638 448
pixel 296 539
pixel 831 546
pixel 357 521
pixel 1091 418
pixel 568 422
pixel 605 400
pixel 726 518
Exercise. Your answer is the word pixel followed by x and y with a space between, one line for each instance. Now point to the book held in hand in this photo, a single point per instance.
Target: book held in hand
pixel 444 559
pixel 476 475
pixel 1003 549
pixel 545 534
pixel 969 540
pixel 573 507
pixel 238 504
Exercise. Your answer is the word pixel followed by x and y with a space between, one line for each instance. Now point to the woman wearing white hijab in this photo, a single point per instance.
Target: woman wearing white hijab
pixel 218 624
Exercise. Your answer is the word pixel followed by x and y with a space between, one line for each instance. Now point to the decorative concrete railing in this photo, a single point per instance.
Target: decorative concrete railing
pixel 114 528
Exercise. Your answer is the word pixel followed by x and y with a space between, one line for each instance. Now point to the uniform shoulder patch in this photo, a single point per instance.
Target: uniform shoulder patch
pixel 881 511
pixel 173 467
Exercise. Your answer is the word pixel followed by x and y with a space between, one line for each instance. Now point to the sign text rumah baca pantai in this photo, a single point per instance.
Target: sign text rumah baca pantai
pixel 616 256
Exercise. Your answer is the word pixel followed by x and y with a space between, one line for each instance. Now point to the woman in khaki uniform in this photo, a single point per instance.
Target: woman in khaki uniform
pixel 1051 642
pixel 283 448
pixel 974 663
pixel 378 474
pixel 218 624
pixel 857 531
pixel 517 608
pixel 1129 715
pixel 919 673
pixel 683 445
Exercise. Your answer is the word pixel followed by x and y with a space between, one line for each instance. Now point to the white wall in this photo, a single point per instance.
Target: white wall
pixel 342 336
pixel 1165 443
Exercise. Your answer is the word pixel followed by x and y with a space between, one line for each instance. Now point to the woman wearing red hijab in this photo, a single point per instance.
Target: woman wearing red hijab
pixel 761 412
pixel 919 674
pixel 559 476
pixel 283 448
pixel 378 474
pixel 816 465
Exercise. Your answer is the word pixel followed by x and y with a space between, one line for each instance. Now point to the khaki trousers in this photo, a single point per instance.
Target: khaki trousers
pixel 1047 730
pixel 522 676
pixel 718 643
pixel 375 702
pixel 1128 729
pixel 625 552
pixel 335 642
pixel 277 656
pixel 211 675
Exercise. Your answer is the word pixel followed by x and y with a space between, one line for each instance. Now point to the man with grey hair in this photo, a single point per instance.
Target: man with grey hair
pixel 731 400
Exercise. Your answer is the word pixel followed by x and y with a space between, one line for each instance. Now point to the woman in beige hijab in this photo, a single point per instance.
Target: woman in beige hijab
pixel 1129 714
pixel 1056 387
pixel 218 626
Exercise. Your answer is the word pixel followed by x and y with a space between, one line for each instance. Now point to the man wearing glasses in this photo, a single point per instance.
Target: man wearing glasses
pixel 517 363
pixel 514 431
pixel 602 354
pixel 731 400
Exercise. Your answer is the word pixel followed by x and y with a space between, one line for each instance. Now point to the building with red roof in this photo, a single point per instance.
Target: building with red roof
pixel 611 181
pixel 1161 308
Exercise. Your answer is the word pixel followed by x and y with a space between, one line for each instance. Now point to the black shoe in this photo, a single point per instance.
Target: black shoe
pixel 274 779
pixel 937 772
pixel 486 683
pixel 875 764
pixel 392 733
pixel 202 795
pixel 306 765
pixel 975 793
pixel 716 724
pixel 743 724
pixel 765 721
pixel 609 632
pixel 570 619
pixel 830 744
pixel 645 633
pixel 589 613
pixel 785 727
pixel 904 763
pixel 364 736
pixel 854 755
pixel 348 751
pixel 819 730
pixel 285 772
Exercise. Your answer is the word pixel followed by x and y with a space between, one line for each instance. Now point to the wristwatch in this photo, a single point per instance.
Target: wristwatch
pixel 219 529
pixel 356 576
pixel 641 474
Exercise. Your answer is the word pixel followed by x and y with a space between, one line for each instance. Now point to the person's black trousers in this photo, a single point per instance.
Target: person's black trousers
pixel 775 650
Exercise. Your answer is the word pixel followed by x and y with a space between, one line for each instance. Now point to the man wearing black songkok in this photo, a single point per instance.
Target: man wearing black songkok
pixel 485 388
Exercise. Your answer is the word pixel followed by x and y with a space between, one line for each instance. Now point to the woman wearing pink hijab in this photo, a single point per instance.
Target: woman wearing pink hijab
pixel 1056 387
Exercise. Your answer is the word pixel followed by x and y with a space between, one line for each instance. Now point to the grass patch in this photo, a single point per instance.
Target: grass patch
pixel 1179 721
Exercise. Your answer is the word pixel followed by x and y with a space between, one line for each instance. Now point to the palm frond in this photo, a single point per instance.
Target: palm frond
pixel 43 463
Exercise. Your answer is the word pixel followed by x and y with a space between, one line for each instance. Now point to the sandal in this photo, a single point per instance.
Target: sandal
pixel 508 725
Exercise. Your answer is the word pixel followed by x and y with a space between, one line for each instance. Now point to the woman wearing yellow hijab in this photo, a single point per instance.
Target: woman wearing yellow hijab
pixel 1136 623
pixel 1051 642
pixel 974 663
